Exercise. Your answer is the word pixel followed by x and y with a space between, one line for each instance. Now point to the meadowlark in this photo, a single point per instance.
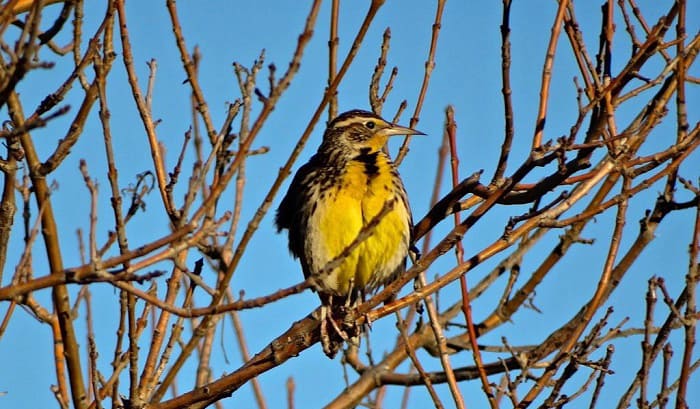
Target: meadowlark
pixel 347 216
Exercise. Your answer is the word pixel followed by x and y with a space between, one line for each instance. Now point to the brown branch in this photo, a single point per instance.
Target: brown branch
pixel 507 91
pixel 440 340
pixel 75 130
pixel 451 128
pixel 213 309
pixel 86 273
pixel 144 113
pixel 333 42
pixel 690 318
pixel 547 75
pixel 8 205
pixel 376 101
pixel 300 336
pixel 411 353
pixel 429 67
pixel 190 69
pixel 245 355
pixel 60 296
pixel 446 206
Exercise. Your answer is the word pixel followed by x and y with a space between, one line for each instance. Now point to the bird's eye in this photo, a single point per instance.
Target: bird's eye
pixel 370 125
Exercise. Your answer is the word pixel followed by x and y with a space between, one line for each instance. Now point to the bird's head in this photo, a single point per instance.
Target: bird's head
pixel 362 131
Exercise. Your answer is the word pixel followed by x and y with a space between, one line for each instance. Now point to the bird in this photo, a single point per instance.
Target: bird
pixel 348 217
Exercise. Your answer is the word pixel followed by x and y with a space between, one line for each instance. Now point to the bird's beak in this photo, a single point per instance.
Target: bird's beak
pixel 400 130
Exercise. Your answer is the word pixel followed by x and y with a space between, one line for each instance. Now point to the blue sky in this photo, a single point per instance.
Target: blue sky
pixel 467 76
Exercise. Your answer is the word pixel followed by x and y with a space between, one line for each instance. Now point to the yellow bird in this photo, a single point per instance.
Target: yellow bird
pixel 348 216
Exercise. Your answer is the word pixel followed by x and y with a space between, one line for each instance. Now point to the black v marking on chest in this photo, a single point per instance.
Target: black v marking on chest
pixel 369 160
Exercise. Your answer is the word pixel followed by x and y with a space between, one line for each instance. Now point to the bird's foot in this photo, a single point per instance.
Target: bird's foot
pixel 329 341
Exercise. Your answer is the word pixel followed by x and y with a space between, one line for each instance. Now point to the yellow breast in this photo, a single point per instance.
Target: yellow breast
pixel 344 211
